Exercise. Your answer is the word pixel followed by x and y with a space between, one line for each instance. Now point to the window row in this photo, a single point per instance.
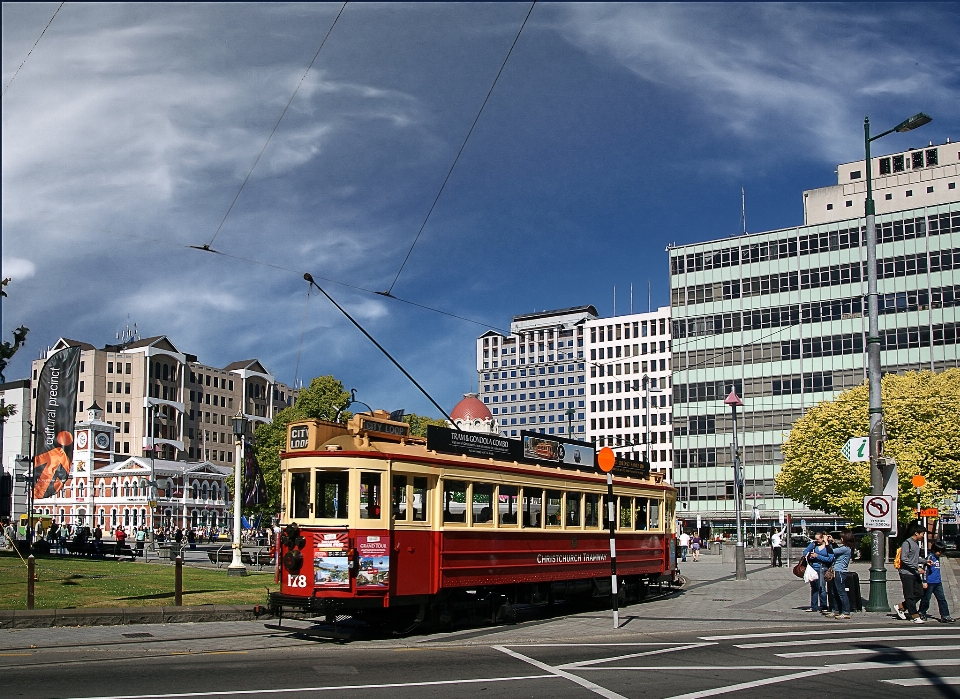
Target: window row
pixel 841 239
pixel 637 385
pixel 621 331
pixel 624 368
pixel 618 351
pixel 898 163
pixel 814 312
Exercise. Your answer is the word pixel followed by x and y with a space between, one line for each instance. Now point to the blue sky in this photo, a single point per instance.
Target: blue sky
pixel 614 130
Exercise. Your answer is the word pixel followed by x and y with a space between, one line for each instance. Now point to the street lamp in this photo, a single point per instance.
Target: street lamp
pixel 878 572
pixel 733 400
pixel 162 419
pixel 239 422
pixel 26 463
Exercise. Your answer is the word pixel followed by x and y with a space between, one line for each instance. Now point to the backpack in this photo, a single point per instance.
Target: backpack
pixel 896 561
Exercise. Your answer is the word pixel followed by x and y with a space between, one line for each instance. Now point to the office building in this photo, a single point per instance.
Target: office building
pixel 780 317
pixel 629 398
pixel 535 377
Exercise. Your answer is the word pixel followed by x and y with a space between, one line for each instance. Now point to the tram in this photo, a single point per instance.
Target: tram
pixel 377 524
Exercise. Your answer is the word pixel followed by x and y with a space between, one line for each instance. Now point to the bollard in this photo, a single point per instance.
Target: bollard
pixel 178 583
pixel 31 578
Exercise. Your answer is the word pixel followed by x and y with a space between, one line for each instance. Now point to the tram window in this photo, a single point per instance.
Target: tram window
pixel 553 503
pixel 640 507
pixel 654 514
pixel 626 513
pixel 482 503
pixel 454 501
pixel 507 505
pixel 399 498
pixel 591 510
pixel 419 499
pixel 571 515
pixel 370 495
pixel 532 508
pixel 332 494
pixel 300 495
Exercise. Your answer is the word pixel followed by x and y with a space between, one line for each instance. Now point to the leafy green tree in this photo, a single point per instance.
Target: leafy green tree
pixel 418 423
pixel 323 399
pixel 922 417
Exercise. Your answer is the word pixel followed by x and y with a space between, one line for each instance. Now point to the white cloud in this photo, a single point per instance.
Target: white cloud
pixel 17 268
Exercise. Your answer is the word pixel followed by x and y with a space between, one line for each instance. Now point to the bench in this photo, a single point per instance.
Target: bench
pixel 225 555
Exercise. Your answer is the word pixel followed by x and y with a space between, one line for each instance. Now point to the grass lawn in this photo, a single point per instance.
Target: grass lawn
pixel 71 582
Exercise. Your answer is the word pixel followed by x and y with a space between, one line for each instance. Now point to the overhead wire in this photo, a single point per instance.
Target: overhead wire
pixel 23 62
pixel 275 127
pixel 463 145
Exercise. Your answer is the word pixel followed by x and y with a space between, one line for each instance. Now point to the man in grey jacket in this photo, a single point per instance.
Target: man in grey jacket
pixel 910 577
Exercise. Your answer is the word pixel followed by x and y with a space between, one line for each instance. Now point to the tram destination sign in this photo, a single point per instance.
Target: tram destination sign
pixel 531 448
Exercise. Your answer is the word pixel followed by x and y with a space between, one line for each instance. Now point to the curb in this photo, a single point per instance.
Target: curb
pixel 119 616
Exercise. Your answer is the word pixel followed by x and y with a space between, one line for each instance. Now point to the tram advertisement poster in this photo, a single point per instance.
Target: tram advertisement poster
pixel 331 566
pixel 536 447
pixel 449 441
pixel 374 552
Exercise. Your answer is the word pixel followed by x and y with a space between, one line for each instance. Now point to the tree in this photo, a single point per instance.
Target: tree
pixel 322 399
pixel 7 350
pixel 921 413
pixel 418 424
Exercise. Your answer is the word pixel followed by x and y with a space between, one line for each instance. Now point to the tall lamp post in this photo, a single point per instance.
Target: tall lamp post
pixel 733 400
pixel 878 572
pixel 236 566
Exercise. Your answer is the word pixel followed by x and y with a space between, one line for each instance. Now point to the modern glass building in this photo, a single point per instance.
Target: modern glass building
pixel 780 317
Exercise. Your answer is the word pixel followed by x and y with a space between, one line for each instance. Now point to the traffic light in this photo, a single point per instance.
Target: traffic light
pixel 294 542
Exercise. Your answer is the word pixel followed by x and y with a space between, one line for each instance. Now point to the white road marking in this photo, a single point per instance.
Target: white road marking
pixel 864 651
pixel 590 645
pixel 755 683
pixel 659 668
pixel 297 690
pixel 880 665
pixel 805 633
pixel 925 681
pixel 823 641
pixel 586 684
pixel 598 661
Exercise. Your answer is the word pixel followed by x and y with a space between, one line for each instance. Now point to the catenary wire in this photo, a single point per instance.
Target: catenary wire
pixel 380 347
pixel 276 126
pixel 463 145
pixel 17 72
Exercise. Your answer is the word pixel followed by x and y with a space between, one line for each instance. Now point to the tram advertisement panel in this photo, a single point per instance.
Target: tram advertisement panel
pixel 374 552
pixel 331 566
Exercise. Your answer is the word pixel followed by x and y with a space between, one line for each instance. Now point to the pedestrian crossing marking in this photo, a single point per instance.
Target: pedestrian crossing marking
pixel 864 651
pixel 822 641
pixel 925 681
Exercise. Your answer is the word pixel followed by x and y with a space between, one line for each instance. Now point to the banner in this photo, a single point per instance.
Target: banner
pixel 54 422
pixel 254 487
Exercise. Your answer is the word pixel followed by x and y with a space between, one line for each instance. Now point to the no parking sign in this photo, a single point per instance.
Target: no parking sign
pixel 878 512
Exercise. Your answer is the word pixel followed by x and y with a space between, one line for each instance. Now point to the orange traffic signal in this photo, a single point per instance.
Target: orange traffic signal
pixel 918 481
pixel 606 459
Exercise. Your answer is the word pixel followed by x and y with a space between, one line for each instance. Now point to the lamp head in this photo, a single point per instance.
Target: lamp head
pixel 239 424
pixel 914 122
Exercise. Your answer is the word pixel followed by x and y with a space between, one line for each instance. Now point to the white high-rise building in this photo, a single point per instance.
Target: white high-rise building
pixel 535 378
pixel 629 401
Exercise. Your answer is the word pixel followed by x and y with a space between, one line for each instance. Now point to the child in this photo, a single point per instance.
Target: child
pixel 934 585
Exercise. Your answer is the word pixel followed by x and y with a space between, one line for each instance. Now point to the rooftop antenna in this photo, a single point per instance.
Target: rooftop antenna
pixel 743 210
pixel 631 298
pixel 648 296
pixel 614 299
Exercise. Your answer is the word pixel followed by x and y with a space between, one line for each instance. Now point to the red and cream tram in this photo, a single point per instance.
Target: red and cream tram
pixel 376 521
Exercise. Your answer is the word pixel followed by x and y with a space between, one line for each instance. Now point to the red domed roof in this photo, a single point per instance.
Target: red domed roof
pixel 470 408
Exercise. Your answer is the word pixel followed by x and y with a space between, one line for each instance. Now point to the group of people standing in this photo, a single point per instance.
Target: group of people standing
pixel 689 543
pixel 830 560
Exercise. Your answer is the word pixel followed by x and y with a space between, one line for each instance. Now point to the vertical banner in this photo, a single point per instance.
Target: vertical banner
pixel 54 422
pixel 254 487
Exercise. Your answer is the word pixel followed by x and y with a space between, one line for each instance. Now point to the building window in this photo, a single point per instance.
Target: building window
pixel 829 207
pixel 929 190
pixel 917 159
pixel 849 203
pixel 909 192
pixel 898 165
pixel 931 157
pixel 885 166
pixel 855 175
pixel 888 197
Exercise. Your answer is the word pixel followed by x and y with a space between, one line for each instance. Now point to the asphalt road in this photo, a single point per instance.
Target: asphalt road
pixel 214 660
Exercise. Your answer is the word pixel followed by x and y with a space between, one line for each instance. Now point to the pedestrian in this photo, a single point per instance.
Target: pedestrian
pixel 684 545
pixel 819 556
pixel 695 545
pixel 97 541
pixel 839 601
pixel 776 549
pixel 911 577
pixel 141 538
pixel 933 587
pixel 121 537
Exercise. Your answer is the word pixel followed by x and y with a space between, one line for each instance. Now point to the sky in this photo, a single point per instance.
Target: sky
pixel 612 132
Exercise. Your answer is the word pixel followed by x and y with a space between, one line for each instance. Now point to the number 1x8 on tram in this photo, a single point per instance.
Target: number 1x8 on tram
pixel 374 520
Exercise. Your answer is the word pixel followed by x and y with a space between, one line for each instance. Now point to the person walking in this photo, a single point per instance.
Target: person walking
pixel 695 546
pixel 933 587
pixel 684 545
pixel 776 549
pixel 819 556
pixel 839 601
pixel 911 577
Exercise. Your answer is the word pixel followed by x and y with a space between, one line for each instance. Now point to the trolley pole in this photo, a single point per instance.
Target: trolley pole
pixel 605 460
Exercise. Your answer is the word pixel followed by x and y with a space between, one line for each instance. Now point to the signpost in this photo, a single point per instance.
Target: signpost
pixel 605 460
pixel 878 512
pixel 856 449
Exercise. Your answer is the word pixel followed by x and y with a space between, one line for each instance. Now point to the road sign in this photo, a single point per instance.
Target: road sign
pixel 930 512
pixel 918 481
pixel 856 449
pixel 780 516
pixel 877 512
pixel 606 459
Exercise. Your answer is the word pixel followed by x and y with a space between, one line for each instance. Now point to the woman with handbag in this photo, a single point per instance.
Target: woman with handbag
pixel 818 556
pixel 839 601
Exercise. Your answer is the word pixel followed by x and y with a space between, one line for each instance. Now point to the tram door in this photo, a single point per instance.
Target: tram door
pixel 413 546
